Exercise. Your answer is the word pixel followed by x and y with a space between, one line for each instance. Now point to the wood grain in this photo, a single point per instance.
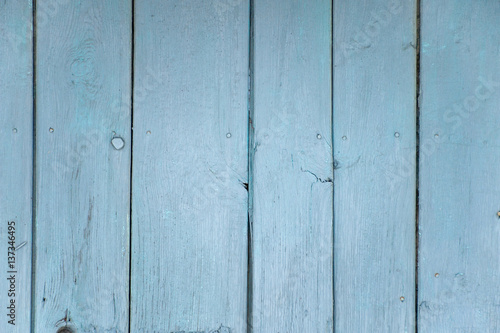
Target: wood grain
pixel 292 167
pixel 374 126
pixel 189 261
pixel 82 182
pixel 16 150
pixel 459 289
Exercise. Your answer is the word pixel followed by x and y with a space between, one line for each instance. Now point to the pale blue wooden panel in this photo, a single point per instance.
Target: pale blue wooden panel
pixel 292 167
pixel 83 84
pixel 189 261
pixel 375 177
pixel 459 263
pixel 16 144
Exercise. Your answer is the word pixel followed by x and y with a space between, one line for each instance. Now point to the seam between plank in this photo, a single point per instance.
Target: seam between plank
pixel 33 185
pixel 417 157
pixel 132 59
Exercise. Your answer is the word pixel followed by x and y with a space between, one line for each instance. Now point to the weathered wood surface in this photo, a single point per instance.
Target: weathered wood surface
pixel 330 250
pixel 83 85
pixel 374 126
pixel 16 142
pixel 292 288
pixel 189 261
pixel 459 276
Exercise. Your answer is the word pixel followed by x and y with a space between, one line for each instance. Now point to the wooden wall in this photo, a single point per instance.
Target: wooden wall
pixel 250 166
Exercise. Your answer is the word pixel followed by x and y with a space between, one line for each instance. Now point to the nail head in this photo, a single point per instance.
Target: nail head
pixel 228 135
pixel 396 134
pixel 51 130
pixel 319 136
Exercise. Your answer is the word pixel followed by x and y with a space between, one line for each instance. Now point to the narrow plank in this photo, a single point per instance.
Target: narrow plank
pixel 83 83
pixel 292 167
pixel 189 261
pixel 459 265
pixel 375 154
pixel 16 152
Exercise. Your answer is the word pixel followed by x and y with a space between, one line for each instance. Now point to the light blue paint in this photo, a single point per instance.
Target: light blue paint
pixel 292 289
pixel 460 231
pixel 374 126
pixel 16 144
pixel 189 262
pixel 191 139
pixel 82 181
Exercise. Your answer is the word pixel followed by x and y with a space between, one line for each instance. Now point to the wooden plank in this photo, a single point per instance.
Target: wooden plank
pixel 374 148
pixel 82 178
pixel 16 153
pixel 292 167
pixel 459 266
pixel 189 261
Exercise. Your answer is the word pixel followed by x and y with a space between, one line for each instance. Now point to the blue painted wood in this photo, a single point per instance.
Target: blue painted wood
pixel 459 267
pixel 189 260
pixel 83 85
pixel 16 144
pixel 292 167
pixel 374 125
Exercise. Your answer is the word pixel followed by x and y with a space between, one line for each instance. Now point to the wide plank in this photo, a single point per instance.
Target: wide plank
pixel 16 161
pixel 374 126
pixel 291 159
pixel 189 235
pixel 459 265
pixel 83 145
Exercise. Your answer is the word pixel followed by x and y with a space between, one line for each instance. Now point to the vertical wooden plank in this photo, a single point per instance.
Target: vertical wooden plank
pixel 189 261
pixel 459 265
pixel 83 83
pixel 374 148
pixel 16 144
pixel 292 167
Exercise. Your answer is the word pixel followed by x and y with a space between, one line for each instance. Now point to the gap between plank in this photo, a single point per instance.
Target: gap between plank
pixel 33 166
pixel 250 147
pixel 417 157
pixel 332 69
pixel 132 59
